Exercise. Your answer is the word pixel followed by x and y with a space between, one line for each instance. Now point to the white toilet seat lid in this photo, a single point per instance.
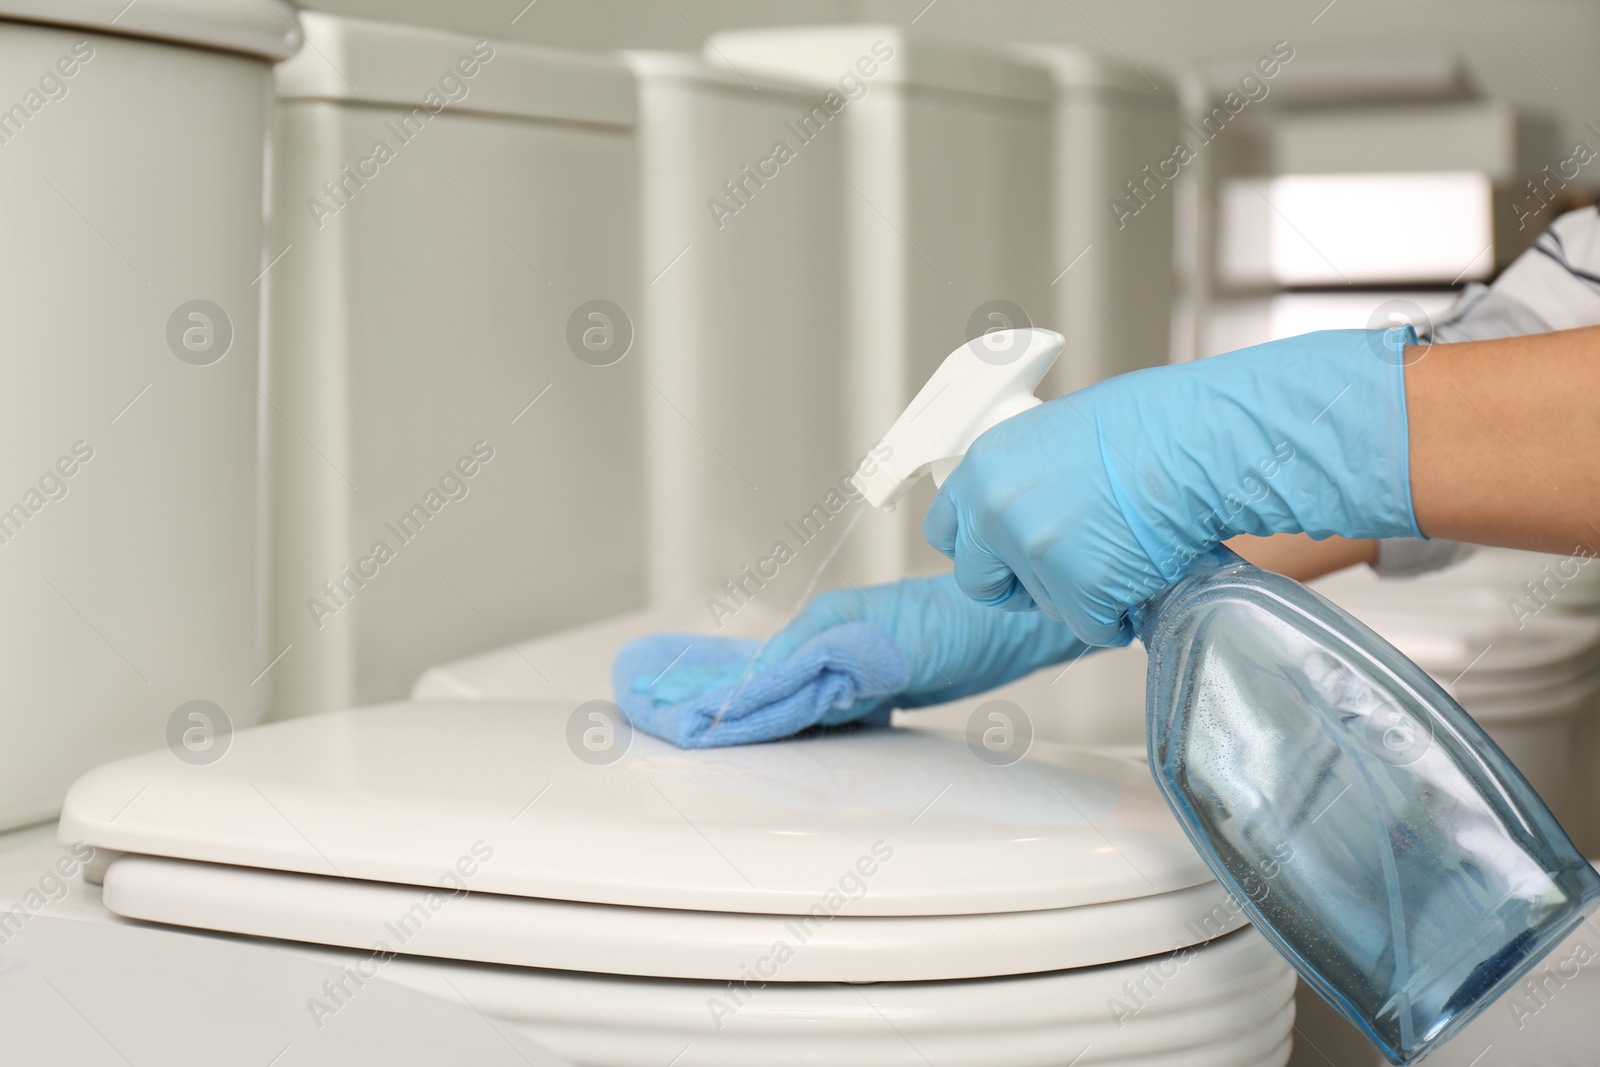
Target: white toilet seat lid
pixel 655 942
pixel 904 822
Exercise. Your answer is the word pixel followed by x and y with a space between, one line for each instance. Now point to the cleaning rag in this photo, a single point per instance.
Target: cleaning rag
pixel 703 692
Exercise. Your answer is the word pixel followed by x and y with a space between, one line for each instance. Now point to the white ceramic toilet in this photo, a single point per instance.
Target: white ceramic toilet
pixel 133 146
pixel 453 366
pixel 741 332
pixel 865 897
pixel 98 992
pixel 1112 282
pixel 130 317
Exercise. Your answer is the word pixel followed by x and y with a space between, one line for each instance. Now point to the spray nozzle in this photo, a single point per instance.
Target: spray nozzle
pixel 984 382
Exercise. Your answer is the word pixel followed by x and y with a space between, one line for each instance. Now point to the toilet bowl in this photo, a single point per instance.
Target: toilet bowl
pixel 132 151
pixel 1032 1020
pixel 104 993
pixel 857 897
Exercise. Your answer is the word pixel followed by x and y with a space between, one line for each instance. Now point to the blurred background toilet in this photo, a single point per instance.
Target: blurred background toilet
pixel 1114 125
pixel 741 245
pixel 946 205
pixel 133 157
pixel 453 303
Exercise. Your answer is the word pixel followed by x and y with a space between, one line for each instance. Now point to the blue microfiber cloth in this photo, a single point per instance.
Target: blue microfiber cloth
pixel 698 692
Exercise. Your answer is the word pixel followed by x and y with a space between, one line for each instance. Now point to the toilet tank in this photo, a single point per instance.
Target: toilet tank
pixel 741 255
pixel 1114 182
pixel 132 151
pixel 947 213
pixel 455 405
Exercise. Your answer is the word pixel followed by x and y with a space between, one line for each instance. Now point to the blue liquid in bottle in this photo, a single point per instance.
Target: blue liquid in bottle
pixel 1368 827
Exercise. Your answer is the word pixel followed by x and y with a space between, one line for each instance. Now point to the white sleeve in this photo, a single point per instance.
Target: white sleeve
pixel 1554 285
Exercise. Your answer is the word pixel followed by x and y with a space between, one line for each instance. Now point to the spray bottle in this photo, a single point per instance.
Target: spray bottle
pixel 1363 821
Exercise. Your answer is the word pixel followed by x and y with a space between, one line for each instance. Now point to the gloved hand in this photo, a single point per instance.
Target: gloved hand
pixel 952 646
pixel 1090 504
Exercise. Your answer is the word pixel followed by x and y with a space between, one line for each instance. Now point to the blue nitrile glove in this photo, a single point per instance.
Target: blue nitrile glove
pixel 851 654
pixel 1090 504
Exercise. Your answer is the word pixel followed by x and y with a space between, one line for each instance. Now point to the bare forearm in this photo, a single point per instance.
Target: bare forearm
pixel 1505 440
pixel 1297 556
pixel 1505 450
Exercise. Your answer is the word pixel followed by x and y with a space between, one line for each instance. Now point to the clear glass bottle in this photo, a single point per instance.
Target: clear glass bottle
pixel 1366 825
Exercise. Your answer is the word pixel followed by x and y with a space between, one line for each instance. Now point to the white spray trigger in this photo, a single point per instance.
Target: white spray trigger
pixel 984 382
